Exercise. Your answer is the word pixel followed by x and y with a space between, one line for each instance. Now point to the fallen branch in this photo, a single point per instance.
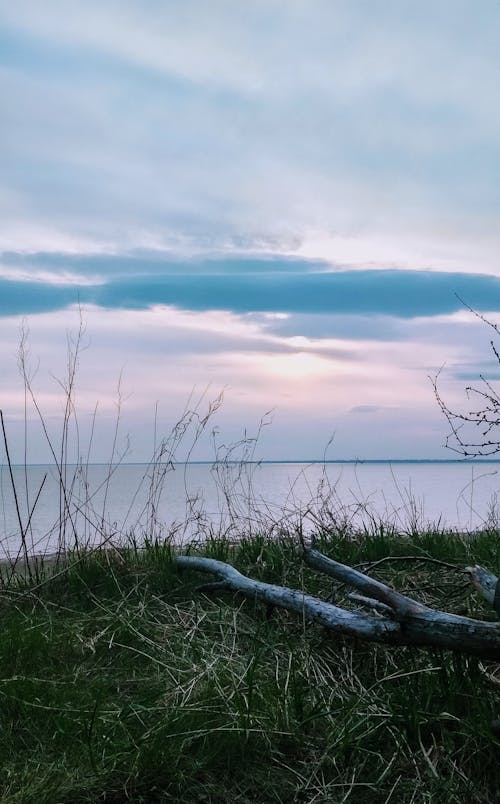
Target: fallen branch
pixel 398 619
pixel 487 584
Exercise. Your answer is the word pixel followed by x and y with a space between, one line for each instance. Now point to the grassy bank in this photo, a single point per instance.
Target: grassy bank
pixel 120 682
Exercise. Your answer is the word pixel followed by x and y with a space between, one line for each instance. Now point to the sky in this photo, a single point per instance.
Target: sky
pixel 290 202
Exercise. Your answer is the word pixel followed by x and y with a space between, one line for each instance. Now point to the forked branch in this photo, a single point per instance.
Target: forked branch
pixel 393 619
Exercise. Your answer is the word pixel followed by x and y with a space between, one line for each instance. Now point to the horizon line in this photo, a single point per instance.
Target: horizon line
pixel 313 461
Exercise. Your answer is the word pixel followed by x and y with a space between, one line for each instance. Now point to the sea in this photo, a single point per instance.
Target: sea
pixel 43 510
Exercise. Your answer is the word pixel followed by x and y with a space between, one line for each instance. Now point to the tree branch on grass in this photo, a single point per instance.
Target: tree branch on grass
pixel 393 619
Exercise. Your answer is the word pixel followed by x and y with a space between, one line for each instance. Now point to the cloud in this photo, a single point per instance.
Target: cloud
pixel 365 409
pixel 268 286
pixel 165 353
pixel 359 133
pixel 57 278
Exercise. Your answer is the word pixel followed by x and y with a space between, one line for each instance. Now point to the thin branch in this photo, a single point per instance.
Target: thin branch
pixel 400 605
pixel 369 565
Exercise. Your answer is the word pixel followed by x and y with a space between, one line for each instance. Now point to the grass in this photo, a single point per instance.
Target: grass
pixel 120 682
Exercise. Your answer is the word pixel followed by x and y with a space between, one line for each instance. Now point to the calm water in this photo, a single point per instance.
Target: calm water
pixel 190 499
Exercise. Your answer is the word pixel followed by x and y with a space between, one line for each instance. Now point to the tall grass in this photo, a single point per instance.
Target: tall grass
pixel 84 521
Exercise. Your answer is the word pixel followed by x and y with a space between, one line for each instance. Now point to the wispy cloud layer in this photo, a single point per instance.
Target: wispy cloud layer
pixel 315 385
pixel 360 132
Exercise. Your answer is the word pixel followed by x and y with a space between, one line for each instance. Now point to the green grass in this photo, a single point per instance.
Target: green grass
pixel 120 682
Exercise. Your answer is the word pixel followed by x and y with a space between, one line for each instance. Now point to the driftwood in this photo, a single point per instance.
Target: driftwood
pixel 393 618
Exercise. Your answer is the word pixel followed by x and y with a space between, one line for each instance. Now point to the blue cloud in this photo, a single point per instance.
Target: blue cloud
pixel 29 298
pixel 141 264
pixel 396 293
pixel 250 286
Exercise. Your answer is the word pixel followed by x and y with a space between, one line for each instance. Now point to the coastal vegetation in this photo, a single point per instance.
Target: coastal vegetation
pixel 121 681
pixel 124 676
